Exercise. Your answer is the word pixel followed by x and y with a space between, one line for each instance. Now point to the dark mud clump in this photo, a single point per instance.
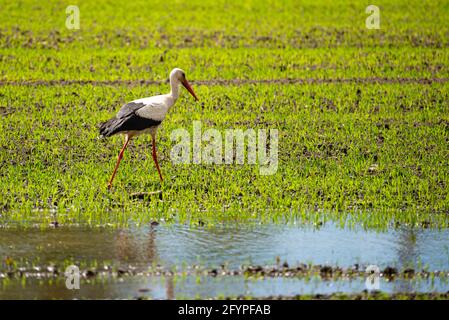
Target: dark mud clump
pixel 285 271
pixel 358 296
pixel 390 272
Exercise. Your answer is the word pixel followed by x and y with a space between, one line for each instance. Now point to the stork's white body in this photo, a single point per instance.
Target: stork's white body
pixel 156 107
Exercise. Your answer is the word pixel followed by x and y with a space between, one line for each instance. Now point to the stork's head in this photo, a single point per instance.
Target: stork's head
pixel 178 76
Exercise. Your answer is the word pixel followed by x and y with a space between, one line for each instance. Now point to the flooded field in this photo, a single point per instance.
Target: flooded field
pixel 181 261
pixel 311 160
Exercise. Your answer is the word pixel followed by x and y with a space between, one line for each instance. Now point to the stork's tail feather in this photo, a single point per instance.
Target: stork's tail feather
pixel 110 127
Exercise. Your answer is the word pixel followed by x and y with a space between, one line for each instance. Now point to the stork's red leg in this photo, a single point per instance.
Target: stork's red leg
pixel 120 156
pixel 155 158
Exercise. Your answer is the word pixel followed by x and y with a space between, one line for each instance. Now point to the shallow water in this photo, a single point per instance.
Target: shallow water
pixel 233 245
pixel 230 245
pixel 192 287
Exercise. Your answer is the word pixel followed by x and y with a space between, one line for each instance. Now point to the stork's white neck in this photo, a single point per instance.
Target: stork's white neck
pixel 174 89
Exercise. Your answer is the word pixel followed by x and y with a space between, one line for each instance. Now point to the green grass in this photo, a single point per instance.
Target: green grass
pixel 371 149
pixel 211 63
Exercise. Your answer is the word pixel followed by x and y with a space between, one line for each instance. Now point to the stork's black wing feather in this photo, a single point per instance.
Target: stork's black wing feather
pixel 127 120
pixel 129 109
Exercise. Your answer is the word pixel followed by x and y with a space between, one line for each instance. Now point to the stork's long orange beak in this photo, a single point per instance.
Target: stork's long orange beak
pixel 186 85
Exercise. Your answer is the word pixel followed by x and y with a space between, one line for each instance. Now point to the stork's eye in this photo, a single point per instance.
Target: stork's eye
pixel 183 75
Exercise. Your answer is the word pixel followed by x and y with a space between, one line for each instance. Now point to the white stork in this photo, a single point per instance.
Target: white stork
pixel 144 116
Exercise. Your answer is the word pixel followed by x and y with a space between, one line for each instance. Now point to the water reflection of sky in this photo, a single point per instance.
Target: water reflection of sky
pixel 233 245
